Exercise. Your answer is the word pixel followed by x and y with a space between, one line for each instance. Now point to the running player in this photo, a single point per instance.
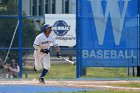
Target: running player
pixel 41 53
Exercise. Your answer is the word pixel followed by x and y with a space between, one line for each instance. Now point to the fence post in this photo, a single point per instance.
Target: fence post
pixel 138 67
pixel 138 71
pixel 20 36
pixel 77 41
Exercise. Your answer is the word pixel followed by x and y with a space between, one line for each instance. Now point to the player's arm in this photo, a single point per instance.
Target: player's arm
pixel 37 47
pixel 36 44
pixel 57 48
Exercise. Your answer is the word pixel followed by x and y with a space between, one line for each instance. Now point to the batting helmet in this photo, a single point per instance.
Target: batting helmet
pixel 44 27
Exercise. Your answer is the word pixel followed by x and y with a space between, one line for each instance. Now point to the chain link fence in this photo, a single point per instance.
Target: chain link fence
pixel 92 17
pixel 33 12
pixel 9 39
pixel 33 17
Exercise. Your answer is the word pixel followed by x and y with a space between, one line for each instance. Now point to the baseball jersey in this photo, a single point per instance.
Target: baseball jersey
pixel 44 42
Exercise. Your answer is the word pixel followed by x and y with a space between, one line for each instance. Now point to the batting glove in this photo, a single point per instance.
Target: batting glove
pixel 58 54
pixel 45 51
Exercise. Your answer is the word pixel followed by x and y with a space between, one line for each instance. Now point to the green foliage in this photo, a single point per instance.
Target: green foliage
pixel 28 32
pixel 4 2
pixel 11 8
pixel 7 27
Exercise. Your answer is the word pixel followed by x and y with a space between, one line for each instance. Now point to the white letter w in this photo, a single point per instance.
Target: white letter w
pixel 117 18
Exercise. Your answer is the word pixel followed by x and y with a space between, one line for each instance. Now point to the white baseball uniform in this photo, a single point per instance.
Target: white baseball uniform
pixel 43 42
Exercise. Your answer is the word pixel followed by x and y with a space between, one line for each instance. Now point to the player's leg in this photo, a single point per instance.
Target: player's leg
pixel 38 62
pixel 46 64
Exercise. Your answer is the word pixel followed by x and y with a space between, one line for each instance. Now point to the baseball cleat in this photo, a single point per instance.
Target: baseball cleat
pixel 41 80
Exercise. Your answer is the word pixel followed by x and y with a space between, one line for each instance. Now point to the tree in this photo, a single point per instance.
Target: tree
pixel 4 2
pixel 7 27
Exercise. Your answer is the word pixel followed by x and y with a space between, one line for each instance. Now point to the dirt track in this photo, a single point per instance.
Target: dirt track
pixel 76 84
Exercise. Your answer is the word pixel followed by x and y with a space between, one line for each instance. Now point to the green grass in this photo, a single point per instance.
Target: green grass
pixel 57 71
pixel 106 72
pixel 67 71
pixel 103 91
pixel 132 84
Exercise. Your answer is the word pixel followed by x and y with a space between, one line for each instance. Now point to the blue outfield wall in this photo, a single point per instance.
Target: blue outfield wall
pixel 107 33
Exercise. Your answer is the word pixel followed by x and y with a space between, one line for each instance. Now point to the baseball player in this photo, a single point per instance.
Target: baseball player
pixel 41 53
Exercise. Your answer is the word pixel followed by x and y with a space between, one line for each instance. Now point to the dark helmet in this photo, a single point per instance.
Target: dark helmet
pixel 44 27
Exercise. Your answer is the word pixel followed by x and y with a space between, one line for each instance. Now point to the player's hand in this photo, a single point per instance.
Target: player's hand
pixel 45 51
pixel 58 55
